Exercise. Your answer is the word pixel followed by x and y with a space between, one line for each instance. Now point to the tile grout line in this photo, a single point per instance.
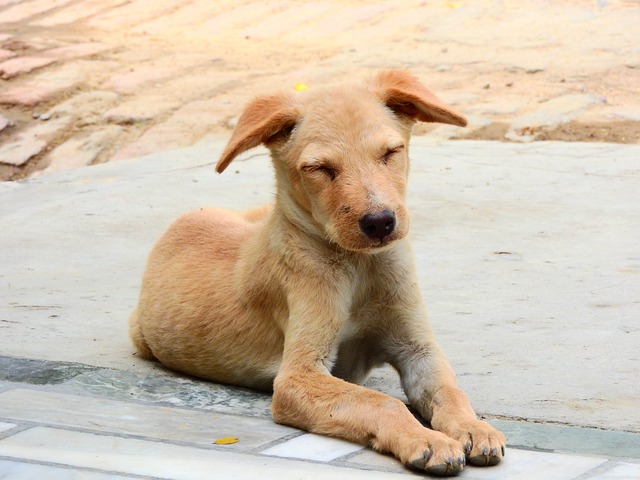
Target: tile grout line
pixel 19 427
pixel 595 472
pixel 279 441
pixel 344 462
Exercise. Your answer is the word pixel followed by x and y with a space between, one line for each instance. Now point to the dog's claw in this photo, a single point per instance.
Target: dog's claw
pixel 467 448
pixel 486 458
pixel 451 466
pixel 421 463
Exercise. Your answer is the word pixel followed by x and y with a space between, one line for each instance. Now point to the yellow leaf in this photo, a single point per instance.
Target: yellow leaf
pixel 300 87
pixel 226 441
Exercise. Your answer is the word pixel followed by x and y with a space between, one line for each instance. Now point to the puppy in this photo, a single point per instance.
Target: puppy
pixel 307 296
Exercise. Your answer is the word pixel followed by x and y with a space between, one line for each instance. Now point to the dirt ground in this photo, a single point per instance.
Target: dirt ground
pixel 169 75
pixel 625 131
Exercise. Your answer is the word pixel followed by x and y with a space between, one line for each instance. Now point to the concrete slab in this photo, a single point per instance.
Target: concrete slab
pixel 528 257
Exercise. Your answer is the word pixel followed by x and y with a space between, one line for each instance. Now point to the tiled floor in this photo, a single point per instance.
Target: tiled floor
pixel 53 435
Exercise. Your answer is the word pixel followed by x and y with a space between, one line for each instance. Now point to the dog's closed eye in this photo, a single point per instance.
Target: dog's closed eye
pixel 390 152
pixel 321 168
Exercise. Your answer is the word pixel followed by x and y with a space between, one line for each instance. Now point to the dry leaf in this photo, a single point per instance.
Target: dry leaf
pixel 226 441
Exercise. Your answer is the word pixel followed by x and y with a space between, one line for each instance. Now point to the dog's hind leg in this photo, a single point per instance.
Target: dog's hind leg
pixel 138 338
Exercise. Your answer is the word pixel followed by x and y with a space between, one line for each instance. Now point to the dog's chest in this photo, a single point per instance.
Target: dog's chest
pixel 356 325
pixel 348 331
pixel 378 286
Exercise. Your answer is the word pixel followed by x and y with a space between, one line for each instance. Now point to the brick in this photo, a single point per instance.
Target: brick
pixel 153 72
pixel 4 122
pixel 186 16
pixel 77 11
pixel 32 94
pixel 24 10
pixel 281 23
pixel 77 51
pixel 29 95
pixel 5 54
pixel 31 142
pixel 131 81
pixel 182 129
pixel 343 21
pixel 86 107
pixel 45 87
pixel 238 17
pixel 131 13
pixel 18 66
pixel 142 109
pixel 82 150
pixel 20 152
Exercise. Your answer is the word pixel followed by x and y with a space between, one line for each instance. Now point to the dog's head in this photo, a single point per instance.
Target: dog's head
pixel 341 154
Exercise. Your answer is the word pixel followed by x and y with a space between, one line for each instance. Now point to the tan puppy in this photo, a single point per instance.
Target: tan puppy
pixel 305 298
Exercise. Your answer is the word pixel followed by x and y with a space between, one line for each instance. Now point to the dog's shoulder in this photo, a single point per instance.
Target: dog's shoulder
pixel 217 228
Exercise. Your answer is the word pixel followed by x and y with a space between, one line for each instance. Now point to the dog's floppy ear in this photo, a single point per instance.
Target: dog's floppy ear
pixel 404 94
pixel 262 119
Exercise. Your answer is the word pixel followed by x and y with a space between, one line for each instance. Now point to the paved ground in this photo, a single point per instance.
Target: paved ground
pixel 528 259
pixel 527 252
pixel 89 81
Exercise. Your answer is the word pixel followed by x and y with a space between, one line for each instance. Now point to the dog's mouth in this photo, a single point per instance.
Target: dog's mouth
pixel 381 244
pixel 365 244
pixel 368 233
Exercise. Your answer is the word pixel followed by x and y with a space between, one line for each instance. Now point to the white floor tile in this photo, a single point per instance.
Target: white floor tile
pixel 313 447
pixel 372 458
pixel 528 465
pixel 623 471
pixel 156 459
pixel 6 426
pixel 13 470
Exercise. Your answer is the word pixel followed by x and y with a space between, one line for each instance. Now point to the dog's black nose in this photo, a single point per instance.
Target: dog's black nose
pixel 378 225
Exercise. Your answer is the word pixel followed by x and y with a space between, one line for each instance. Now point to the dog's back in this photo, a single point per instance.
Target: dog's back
pixel 191 315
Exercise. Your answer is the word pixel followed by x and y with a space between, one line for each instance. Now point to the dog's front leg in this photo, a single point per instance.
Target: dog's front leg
pixel 308 397
pixel 430 385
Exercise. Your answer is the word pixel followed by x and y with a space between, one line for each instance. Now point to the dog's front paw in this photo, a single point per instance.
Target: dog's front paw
pixel 442 456
pixel 483 444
